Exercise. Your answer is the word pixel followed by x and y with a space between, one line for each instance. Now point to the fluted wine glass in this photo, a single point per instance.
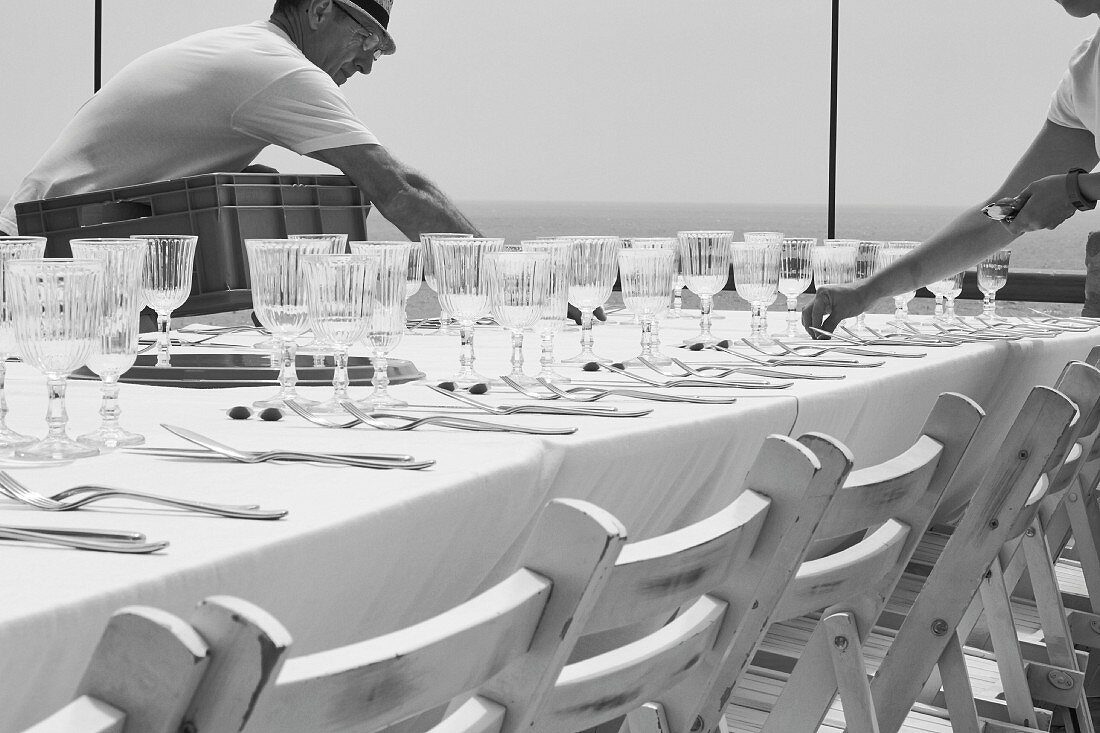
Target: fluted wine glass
pixel 12 248
pixel 519 292
pixel 756 277
pixel 117 345
pixel 951 292
pixel 464 292
pixel 705 262
pixel 339 289
pixel 646 275
pixel 281 303
pixel 446 320
pixel 940 289
pixel 795 273
pixel 992 276
pixel 593 268
pixel 890 253
pixel 656 355
pixel 319 346
pixel 386 322
pixel 867 261
pixel 414 274
pixel 57 304
pixel 553 319
pixel 166 282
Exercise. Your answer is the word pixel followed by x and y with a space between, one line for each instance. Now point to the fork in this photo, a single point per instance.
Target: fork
pixel 361 417
pixel 815 351
pixel 17 491
pixel 722 372
pixel 573 396
pixel 540 409
pixel 780 361
pixel 460 423
pixel 692 382
pixel 595 393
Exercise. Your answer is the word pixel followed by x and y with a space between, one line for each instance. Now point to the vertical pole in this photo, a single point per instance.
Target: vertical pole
pixel 97 72
pixel 834 55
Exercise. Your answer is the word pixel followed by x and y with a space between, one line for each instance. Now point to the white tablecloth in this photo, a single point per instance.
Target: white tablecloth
pixel 362 551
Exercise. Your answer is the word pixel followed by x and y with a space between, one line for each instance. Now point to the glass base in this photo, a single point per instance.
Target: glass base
pixel 760 339
pixel 707 340
pixel 111 438
pixel 468 378
pixel 383 401
pixel 55 449
pixel 11 439
pixel 279 400
pixel 525 380
pixel 552 377
pixel 585 357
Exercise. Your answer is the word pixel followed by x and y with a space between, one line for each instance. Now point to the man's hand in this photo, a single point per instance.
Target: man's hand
pixel 1043 204
pixel 574 314
pixel 831 305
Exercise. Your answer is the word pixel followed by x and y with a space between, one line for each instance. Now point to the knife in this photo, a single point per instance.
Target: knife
pixel 115 535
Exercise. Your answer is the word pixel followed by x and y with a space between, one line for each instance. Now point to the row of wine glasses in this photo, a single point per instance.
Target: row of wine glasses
pixel 61 313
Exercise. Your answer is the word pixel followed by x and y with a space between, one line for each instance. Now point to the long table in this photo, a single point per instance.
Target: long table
pixel 363 552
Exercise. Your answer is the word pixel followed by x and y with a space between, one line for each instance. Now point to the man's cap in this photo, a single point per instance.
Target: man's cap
pixel 373 14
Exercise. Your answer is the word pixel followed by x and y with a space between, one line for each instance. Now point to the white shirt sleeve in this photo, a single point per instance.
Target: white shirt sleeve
pixel 1074 101
pixel 304 111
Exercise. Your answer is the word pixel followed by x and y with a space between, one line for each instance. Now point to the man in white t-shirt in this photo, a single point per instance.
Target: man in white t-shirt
pixel 1049 183
pixel 213 101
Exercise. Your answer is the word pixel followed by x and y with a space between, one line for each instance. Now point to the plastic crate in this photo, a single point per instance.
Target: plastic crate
pixel 223 209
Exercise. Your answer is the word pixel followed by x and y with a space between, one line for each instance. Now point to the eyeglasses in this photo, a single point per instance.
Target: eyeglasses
pixel 370 40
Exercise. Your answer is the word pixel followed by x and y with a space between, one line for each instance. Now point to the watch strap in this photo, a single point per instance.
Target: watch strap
pixel 1073 190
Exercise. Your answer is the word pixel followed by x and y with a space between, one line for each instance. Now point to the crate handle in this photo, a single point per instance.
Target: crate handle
pixel 112 211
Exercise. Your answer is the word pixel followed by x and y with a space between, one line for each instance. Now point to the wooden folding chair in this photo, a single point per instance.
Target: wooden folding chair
pixel 723 574
pixel 805 659
pixel 526 625
pixel 1031 641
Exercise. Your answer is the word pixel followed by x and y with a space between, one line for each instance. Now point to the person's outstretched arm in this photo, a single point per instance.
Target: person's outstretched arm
pixel 1036 184
pixel 407 199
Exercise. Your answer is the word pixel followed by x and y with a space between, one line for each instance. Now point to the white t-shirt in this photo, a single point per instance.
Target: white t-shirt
pixel 1076 101
pixel 207 103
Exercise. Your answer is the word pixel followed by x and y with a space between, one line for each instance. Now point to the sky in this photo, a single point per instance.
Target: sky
pixel 631 100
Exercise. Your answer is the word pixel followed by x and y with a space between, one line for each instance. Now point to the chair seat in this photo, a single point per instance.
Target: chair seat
pixel 758 688
pixel 786 640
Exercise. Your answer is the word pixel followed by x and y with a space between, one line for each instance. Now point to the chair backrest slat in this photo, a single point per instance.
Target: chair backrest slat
pixel 659 575
pixel 388 678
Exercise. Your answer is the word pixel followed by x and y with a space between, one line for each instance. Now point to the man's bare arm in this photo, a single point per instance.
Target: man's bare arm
pixel 406 198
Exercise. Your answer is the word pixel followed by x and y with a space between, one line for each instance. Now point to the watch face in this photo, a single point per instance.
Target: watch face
pixel 1000 212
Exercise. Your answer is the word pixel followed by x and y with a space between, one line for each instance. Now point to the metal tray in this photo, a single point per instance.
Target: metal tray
pixel 210 371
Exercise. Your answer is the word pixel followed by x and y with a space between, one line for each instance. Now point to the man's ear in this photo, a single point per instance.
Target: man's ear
pixel 319 12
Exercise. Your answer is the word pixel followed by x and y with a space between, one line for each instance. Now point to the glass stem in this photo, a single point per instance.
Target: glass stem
pixel 546 357
pixel 757 323
pixel 164 326
pixel 109 408
pixel 939 308
pixel 381 377
pixel 288 369
pixel 647 336
pixel 901 313
pixel 56 416
pixel 949 309
pixel 792 316
pixel 586 331
pixel 704 316
pixel 654 337
pixel 3 394
pixel 517 353
pixel 989 305
pixel 340 379
pixel 466 354
pixel 677 300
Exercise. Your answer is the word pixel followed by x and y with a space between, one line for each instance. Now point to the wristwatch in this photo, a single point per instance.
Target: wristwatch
pixel 1073 191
